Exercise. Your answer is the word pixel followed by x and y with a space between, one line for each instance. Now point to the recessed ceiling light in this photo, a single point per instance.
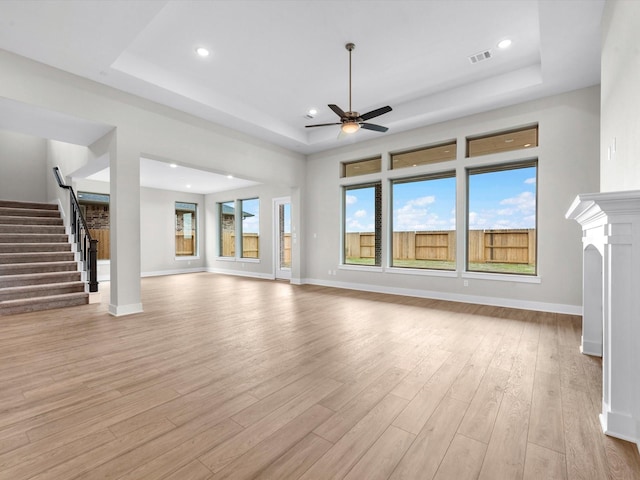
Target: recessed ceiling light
pixel 203 52
pixel 506 43
pixel 188 186
pixel 173 165
pixel 313 111
pixel 229 176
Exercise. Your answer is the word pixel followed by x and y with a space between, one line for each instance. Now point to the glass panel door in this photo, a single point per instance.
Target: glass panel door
pixel 282 229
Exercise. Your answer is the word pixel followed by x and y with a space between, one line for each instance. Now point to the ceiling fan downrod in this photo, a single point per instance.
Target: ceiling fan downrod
pixel 350 46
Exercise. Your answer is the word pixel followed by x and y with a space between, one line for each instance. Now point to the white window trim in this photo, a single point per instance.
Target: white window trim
pixel 360 268
pixel 503 277
pixel 425 272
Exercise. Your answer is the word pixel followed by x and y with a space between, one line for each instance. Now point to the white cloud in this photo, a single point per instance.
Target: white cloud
pixel 350 199
pixel 518 212
pixel 360 213
pixel 415 215
pixel 530 181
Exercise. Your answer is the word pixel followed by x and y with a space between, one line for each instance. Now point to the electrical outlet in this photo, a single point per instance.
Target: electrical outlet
pixel 465 283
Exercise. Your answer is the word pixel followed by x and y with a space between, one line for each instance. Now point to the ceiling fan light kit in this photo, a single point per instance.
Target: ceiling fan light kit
pixel 351 121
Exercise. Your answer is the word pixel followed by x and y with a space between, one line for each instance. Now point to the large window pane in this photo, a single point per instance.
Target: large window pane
pixel 186 229
pixel 250 227
pixel 362 224
pixel 502 219
pixel 424 222
pixel 227 228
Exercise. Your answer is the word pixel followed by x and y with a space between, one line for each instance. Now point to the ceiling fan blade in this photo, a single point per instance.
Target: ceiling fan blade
pixel 375 128
pixel 338 111
pixel 375 113
pixel 323 124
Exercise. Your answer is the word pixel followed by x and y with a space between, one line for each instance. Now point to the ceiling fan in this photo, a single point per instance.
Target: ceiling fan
pixel 352 121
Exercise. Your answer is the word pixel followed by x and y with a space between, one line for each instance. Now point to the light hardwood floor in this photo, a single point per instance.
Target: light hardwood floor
pixel 232 378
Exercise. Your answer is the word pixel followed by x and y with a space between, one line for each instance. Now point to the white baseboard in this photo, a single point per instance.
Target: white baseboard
pixel 94 297
pixel 121 310
pixel 454 297
pixel 591 348
pixel 238 273
pixel 620 425
pixel 159 273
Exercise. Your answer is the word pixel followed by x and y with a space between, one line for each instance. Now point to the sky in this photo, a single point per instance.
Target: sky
pixel 497 200
pixel 251 224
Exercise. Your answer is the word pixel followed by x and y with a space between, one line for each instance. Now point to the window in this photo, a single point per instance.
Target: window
pixel 250 227
pixel 502 218
pixel 227 228
pixel 361 167
pixel 362 225
pixel 424 222
pixel 95 208
pixel 186 229
pixel 424 156
pixel 503 141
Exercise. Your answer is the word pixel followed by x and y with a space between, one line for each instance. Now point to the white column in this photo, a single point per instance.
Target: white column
pixel 125 229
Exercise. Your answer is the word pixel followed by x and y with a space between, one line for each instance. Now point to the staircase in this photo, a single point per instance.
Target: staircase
pixel 38 269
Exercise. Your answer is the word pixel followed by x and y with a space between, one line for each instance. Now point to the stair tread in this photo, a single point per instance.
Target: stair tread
pixel 42 286
pixel 34 275
pixel 44 298
pixel 21 204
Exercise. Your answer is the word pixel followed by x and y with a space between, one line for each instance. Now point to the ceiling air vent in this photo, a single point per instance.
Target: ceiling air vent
pixel 479 57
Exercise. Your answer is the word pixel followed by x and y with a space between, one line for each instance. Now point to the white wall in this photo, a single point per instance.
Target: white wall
pixel 69 158
pixel 22 167
pixel 568 165
pixel 157 232
pixel 620 124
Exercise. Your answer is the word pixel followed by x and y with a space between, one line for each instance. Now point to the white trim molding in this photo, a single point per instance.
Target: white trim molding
pixel 238 273
pixel 122 310
pixel 453 297
pixel 611 281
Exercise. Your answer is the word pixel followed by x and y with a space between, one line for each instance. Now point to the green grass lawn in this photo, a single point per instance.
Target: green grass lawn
pixel 522 269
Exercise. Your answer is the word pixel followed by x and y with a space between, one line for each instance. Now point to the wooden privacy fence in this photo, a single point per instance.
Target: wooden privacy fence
pixel 102 235
pixel 250 245
pixel 286 251
pixel 185 245
pixel 503 246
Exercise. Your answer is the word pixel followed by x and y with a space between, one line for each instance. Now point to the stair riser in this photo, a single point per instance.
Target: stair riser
pixel 25 212
pixel 32 238
pixel 43 305
pixel 4 220
pixel 34 247
pixel 28 205
pixel 45 290
pixel 18 269
pixel 6 259
pixel 19 282
pixel 41 229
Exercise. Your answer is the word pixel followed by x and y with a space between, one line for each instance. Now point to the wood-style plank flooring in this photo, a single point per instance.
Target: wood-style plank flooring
pixel 233 378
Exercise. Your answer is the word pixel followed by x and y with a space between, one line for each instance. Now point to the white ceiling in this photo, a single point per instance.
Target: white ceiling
pixel 155 174
pixel 273 60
